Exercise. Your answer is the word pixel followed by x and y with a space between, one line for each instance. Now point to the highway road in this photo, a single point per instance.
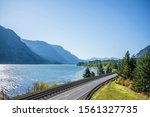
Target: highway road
pixel 79 91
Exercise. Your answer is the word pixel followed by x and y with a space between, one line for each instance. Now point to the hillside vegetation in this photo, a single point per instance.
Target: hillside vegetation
pixel 114 91
pixel 135 74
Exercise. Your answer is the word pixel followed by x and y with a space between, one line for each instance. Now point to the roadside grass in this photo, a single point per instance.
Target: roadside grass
pixel 113 91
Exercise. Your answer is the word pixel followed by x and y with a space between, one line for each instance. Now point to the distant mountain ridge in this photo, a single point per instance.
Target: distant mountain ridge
pixel 14 51
pixel 106 58
pixel 143 52
pixel 54 53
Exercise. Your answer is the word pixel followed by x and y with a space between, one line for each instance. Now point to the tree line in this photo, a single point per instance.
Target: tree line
pixel 102 67
pixel 135 70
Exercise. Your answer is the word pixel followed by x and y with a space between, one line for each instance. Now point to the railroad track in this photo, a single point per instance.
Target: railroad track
pixel 52 92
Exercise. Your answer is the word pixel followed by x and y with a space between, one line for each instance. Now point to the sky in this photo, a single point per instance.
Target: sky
pixel 86 28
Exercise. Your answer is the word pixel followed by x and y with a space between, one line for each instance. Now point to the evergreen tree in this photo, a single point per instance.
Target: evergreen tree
pixel 126 65
pixel 141 80
pixel 114 65
pixel 92 74
pixel 119 66
pixel 87 73
pixel 132 65
pixel 109 69
pixel 100 68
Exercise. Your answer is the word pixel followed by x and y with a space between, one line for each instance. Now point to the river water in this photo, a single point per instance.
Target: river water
pixel 18 79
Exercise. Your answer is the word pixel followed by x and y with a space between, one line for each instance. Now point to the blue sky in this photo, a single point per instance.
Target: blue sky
pixel 87 28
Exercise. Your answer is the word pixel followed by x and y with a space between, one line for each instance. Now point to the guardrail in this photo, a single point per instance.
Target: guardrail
pixel 52 92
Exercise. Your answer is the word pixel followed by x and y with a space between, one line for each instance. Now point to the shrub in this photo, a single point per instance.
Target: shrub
pixel 130 86
pixel 39 86
pixel 120 81
pixel 1 98
pixel 125 82
pixel 53 85
pixel 3 94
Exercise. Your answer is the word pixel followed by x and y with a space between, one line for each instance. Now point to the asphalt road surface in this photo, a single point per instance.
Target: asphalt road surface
pixel 78 92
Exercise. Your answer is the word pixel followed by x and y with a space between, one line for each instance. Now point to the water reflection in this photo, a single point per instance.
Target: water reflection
pixel 18 78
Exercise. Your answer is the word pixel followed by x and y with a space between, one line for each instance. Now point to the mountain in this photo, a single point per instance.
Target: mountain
pixel 14 51
pixel 143 52
pixel 106 58
pixel 51 52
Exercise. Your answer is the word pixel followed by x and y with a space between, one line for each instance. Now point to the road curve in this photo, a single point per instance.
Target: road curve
pixel 78 92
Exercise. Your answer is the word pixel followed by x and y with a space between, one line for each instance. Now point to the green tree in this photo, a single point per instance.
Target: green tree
pixel 132 66
pixel 100 68
pixel 114 65
pixel 87 73
pixel 92 74
pixel 109 69
pixel 126 65
pixel 39 86
pixel 119 66
pixel 141 79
